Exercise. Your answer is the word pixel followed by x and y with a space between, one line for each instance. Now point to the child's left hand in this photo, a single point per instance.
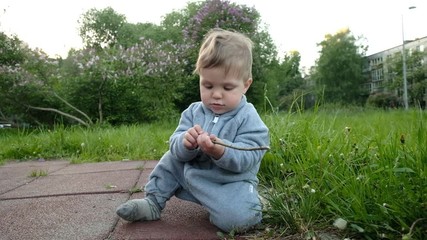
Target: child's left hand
pixel 205 142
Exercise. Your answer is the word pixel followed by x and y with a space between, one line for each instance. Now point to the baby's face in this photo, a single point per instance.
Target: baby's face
pixel 219 92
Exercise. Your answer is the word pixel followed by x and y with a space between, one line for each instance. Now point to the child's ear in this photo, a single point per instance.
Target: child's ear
pixel 246 85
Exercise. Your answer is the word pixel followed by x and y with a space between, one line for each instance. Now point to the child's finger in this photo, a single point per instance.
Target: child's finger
pixel 198 129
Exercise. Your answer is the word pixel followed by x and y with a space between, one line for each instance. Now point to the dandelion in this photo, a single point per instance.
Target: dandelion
pixel 347 130
pixel 402 139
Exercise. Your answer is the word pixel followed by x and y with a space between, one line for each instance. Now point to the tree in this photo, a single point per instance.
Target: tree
pixel 286 80
pixel 10 60
pixel 26 77
pixel 100 28
pixel 122 85
pixel 198 18
pixel 175 22
pixel 339 69
pixel 416 75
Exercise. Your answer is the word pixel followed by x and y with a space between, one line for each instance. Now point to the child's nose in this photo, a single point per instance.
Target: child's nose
pixel 217 94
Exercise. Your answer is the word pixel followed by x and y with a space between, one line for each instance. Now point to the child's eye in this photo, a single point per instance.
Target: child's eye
pixel 208 86
pixel 228 88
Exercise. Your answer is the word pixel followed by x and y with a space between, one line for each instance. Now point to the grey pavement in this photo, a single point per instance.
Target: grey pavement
pixel 60 200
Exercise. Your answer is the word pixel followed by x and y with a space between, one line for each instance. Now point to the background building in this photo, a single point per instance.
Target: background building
pixel 380 76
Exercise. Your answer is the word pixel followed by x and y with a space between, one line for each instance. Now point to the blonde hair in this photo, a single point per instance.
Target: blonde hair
pixel 226 49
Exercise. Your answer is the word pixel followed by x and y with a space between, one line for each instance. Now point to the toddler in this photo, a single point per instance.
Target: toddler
pixel 214 153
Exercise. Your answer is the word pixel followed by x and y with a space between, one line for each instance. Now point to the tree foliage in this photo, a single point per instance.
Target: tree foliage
pixel 123 68
pixel 25 78
pixel 101 28
pixel 339 69
pixel 124 85
pixel 416 75
pixel 288 80
pixel 201 17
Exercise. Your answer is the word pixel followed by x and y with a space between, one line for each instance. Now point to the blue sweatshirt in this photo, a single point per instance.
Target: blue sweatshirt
pixel 241 127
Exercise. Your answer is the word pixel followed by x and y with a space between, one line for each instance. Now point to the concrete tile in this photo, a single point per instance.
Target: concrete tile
pixel 13 175
pixel 150 164
pixel 180 220
pixel 63 217
pixel 77 183
pixel 101 167
pixel 36 163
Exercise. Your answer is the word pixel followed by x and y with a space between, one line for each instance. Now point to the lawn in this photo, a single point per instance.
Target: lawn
pixel 354 173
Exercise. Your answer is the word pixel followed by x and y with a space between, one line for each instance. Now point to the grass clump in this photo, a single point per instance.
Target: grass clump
pixel 38 173
pixel 367 168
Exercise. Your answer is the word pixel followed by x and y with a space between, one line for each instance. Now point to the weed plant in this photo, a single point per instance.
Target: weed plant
pixel 366 169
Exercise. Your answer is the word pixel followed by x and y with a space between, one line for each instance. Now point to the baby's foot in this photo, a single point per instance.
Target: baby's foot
pixel 139 210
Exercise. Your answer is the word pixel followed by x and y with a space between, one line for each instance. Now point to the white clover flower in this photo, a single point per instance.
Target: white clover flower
pixel 340 223
pixel 313 190
pixel 82 144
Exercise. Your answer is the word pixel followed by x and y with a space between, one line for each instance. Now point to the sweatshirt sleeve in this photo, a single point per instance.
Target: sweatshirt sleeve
pixel 176 145
pixel 252 132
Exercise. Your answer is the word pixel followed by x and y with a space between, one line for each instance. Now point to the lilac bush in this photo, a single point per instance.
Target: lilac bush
pixel 138 83
pixel 222 14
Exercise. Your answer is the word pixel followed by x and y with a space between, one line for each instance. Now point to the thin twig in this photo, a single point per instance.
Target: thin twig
pixel 413 225
pixel 243 148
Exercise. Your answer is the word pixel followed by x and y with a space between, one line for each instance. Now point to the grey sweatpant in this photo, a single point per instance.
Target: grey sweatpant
pixel 232 206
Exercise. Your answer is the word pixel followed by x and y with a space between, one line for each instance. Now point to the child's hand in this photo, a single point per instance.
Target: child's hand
pixel 190 137
pixel 205 142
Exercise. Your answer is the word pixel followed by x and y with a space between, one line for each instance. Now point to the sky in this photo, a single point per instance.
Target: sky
pixel 52 25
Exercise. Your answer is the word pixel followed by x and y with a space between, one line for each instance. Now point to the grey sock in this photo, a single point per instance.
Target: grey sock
pixel 139 210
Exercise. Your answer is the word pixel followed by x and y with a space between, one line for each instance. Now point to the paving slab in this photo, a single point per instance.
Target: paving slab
pixel 36 163
pixel 63 217
pixel 101 167
pixel 78 201
pixel 149 165
pixel 15 174
pixel 179 220
pixel 114 181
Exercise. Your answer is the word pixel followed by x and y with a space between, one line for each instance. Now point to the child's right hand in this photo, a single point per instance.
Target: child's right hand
pixel 190 137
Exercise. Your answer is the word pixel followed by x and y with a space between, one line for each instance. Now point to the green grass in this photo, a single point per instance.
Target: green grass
pixel 78 144
pixel 38 173
pixel 365 167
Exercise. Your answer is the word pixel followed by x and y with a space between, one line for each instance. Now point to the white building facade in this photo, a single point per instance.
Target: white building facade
pixel 379 75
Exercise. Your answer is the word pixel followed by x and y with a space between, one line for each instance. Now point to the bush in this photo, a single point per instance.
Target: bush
pixel 383 100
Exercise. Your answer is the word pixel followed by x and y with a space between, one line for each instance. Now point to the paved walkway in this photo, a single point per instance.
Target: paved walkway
pixel 78 201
